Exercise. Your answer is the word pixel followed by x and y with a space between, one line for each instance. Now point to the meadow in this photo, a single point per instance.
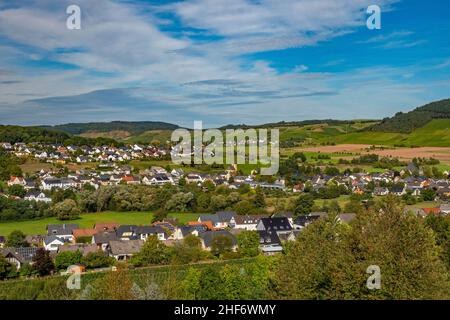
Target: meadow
pixel 87 220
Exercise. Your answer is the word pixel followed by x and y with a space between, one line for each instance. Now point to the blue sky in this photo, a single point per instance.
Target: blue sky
pixel 220 61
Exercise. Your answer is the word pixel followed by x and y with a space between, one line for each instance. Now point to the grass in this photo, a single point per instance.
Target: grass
pixel 342 200
pixel 436 133
pixel 31 227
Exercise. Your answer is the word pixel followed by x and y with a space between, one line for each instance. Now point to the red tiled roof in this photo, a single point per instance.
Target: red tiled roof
pixel 84 232
pixel 432 210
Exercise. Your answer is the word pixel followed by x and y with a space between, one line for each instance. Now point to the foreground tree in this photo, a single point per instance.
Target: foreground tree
pixel 43 264
pixel 6 268
pixel 153 252
pixel 16 239
pixel 329 260
pixel 248 243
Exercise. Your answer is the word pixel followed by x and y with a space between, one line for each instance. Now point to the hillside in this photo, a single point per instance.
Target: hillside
pixel 435 133
pixel 417 118
pixel 14 134
pixel 131 127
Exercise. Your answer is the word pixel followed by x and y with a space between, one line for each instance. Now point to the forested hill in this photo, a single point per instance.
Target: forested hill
pixel 417 118
pixel 133 127
pixel 14 134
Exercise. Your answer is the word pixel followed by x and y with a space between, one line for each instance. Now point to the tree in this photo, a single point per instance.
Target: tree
pixel 43 264
pixel 16 239
pixel 248 243
pixel 153 252
pixel 6 268
pixel 329 260
pixel 180 202
pixel 67 210
pixel 17 190
pixel 259 198
pixel 428 194
pixel 244 207
pixel 221 244
pixel 97 260
pixel 304 204
pixel 316 265
pixel 191 284
pixel 67 258
pixel 115 285
pixel 441 228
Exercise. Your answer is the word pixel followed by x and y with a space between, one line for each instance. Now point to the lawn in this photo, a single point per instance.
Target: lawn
pixel 342 200
pixel 89 219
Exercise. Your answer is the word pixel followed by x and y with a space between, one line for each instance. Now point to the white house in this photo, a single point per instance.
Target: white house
pixel 52 243
pixel 37 196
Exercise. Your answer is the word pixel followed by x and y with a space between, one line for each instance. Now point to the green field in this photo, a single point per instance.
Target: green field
pixel 88 220
pixel 435 134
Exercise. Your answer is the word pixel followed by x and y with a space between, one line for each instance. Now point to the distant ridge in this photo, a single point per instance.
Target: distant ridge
pixel 133 127
pixel 417 118
pixel 330 122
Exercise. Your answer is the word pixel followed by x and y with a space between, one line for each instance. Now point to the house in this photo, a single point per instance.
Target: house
pixel 428 211
pixel 220 220
pixel 37 196
pixel 82 159
pixel 84 248
pixel 123 250
pixel 102 227
pixel 445 208
pixel 157 179
pixel 398 190
pixel 302 221
pixel 207 237
pixel 19 256
pixel 63 183
pixel 285 214
pixel 380 191
pixel 131 179
pixel 269 242
pixel 63 231
pixel 143 232
pixel 29 184
pixel 79 234
pixel 127 232
pixel 280 225
pixel 246 222
pixel 17 181
pixel 102 239
pixel 183 231
pixel 193 178
pixel 52 243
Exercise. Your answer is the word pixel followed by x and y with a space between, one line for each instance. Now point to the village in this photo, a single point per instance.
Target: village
pixel 121 241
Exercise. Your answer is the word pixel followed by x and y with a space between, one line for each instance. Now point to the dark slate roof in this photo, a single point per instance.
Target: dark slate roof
pixel 149 230
pixel 304 220
pixel 268 237
pixel 23 254
pixel 220 216
pixel 126 228
pixel 277 224
pixel 61 229
pixel 208 236
pixel 104 237
pixel 125 246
